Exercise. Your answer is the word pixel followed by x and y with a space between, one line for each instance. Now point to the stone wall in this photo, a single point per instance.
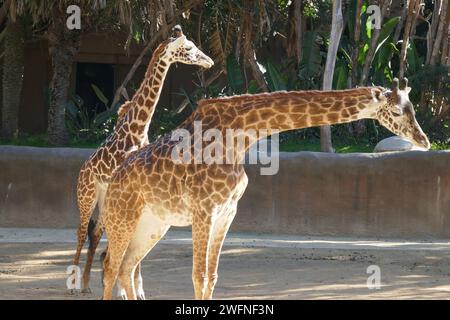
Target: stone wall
pixel 405 195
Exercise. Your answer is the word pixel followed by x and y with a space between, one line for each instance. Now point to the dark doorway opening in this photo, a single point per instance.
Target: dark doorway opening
pixel 99 75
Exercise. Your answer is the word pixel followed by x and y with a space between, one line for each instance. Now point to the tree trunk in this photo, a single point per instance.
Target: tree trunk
pixel 337 24
pixel 295 31
pixel 249 51
pixel 400 24
pixel 417 11
pixel 442 16
pixel 13 66
pixel 63 46
pixel 406 33
pixel 432 28
pixel 356 44
pixel 445 42
pixel 359 126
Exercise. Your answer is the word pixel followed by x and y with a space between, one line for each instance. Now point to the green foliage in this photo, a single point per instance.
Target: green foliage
pixel 234 75
pixel 386 30
pixel 295 145
pixel 275 80
pixel 252 87
pixel 340 75
pixel 164 121
pixel 311 66
pixel 219 30
pixel 100 95
pixel 85 126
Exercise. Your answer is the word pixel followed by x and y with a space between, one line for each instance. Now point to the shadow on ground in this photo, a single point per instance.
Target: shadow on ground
pixel 37 271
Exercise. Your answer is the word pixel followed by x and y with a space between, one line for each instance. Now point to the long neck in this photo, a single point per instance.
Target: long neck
pixel 283 111
pixel 142 106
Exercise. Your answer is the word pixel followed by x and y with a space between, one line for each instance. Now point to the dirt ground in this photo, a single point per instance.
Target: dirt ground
pixel 249 269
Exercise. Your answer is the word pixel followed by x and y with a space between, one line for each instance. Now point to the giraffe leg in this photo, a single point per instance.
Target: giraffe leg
pixel 120 291
pixel 117 246
pixel 87 199
pixel 138 283
pixel 120 221
pixel 221 227
pixel 148 232
pixel 95 234
pixel 110 269
pixel 201 237
pixel 93 244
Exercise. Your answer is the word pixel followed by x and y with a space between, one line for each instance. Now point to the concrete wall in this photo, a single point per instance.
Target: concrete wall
pixel 381 195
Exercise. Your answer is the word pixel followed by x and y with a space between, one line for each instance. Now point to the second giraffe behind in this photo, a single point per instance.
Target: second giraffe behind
pixel 130 134
pixel 150 192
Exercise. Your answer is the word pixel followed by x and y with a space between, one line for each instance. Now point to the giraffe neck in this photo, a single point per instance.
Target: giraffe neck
pixel 283 111
pixel 137 119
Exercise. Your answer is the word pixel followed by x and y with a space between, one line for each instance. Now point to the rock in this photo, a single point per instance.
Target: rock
pixel 396 143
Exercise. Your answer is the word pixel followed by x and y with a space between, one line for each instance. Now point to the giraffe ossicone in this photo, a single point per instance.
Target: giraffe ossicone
pixel 150 193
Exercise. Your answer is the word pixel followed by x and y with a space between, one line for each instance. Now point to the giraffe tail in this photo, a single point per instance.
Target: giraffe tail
pixel 102 259
pixel 91 228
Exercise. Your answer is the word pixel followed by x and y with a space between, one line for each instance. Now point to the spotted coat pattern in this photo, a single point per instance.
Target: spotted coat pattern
pixel 150 192
pixel 129 135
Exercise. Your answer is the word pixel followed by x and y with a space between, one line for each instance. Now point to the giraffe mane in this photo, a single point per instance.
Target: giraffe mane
pixel 124 109
pixel 307 94
pixel 156 55
pixel 127 105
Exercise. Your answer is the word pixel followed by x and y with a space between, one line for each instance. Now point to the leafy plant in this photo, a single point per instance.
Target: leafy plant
pixel 311 66
pixel 83 125
pixel 275 80
pixel 234 75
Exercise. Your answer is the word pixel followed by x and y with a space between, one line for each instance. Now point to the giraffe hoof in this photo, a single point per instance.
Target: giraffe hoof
pixel 141 296
pixel 72 292
pixel 86 291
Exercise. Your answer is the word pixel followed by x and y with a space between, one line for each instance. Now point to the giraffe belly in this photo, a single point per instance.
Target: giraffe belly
pixel 149 227
pixel 174 218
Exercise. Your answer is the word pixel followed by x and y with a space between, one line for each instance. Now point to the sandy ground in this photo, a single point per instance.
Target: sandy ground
pixel 33 265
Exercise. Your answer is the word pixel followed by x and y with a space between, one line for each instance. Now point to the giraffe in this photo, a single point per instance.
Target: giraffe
pixel 151 192
pixel 130 134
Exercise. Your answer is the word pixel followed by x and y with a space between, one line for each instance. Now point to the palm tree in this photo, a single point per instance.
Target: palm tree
pixel 63 45
pixel 13 65
pixel 49 21
pixel 49 18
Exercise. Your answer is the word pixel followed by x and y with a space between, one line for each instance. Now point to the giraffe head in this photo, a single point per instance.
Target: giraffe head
pixel 180 49
pixel 397 114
